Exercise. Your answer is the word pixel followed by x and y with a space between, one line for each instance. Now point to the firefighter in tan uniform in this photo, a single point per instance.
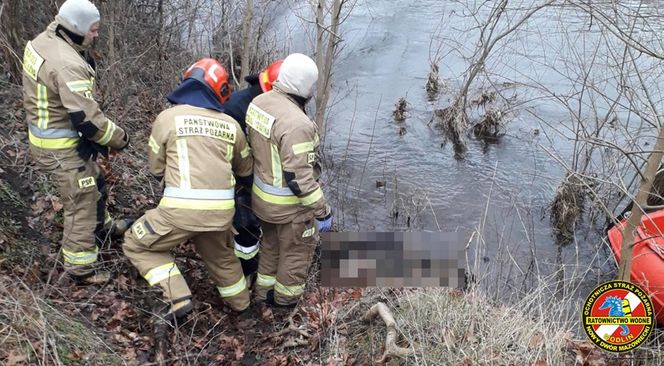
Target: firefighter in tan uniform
pixel 200 153
pixel 286 196
pixel 67 130
pixel 245 222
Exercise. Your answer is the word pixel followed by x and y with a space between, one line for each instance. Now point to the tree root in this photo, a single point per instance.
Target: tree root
pixel 292 328
pixel 391 347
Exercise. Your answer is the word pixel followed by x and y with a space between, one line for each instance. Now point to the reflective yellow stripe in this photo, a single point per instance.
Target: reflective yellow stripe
pixel 245 152
pixel 245 256
pixel 80 258
pixel 229 153
pixel 193 204
pixel 277 200
pixel 80 85
pixel 154 145
pixel 110 128
pixel 158 274
pixel 42 106
pixel 276 166
pixel 183 163
pixel 312 198
pixel 246 252
pixel 52 144
pixel 234 289
pixel 304 147
pixel 265 280
pixel 295 290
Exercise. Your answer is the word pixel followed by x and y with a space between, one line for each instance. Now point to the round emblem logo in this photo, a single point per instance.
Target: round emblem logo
pixel 618 316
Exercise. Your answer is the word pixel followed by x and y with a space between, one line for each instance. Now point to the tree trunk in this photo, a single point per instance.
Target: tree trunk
pixel 327 41
pixel 160 9
pixel 111 33
pixel 627 250
pixel 319 58
pixel 246 42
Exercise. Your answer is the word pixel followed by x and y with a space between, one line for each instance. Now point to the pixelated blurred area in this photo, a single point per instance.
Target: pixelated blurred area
pixel 392 259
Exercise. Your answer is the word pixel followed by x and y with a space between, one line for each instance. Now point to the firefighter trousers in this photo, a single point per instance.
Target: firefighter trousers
pixel 148 244
pixel 83 195
pixel 286 253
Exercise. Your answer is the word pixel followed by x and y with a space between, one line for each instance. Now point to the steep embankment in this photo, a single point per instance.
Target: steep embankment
pixel 45 319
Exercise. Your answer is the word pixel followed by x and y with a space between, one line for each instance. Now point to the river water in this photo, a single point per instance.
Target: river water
pixel 501 190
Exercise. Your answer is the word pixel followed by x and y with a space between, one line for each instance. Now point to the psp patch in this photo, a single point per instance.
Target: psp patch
pixel 86 182
pixel 311 158
pixel 618 316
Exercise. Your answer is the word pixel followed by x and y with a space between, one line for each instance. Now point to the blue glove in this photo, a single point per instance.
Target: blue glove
pixel 324 224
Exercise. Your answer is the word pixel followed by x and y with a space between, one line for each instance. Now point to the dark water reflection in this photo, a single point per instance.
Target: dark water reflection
pixel 507 187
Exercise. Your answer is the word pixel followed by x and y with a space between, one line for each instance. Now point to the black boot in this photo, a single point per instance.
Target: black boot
pixel 272 302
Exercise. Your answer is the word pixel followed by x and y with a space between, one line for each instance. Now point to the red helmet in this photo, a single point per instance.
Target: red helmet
pixel 269 76
pixel 211 73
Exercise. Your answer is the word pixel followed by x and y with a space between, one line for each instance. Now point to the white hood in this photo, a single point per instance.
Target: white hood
pixel 298 75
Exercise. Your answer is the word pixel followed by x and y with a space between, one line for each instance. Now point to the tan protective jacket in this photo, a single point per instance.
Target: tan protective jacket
pixel 57 82
pixel 284 142
pixel 197 151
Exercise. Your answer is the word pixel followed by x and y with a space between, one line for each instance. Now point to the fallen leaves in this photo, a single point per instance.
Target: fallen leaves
pixel 14 358
pixel 234 344
pixel 587 354
pixel 536 340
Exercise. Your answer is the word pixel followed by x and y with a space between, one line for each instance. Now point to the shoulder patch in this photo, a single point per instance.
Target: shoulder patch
pixel 192 125
pixel 32 61
pixel 259 120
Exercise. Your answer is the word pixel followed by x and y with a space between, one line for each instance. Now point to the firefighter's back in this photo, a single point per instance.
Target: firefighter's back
pixel 199 182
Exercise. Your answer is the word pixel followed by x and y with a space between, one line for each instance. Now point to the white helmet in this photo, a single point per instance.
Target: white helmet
pixel 297 75
pixel 80 14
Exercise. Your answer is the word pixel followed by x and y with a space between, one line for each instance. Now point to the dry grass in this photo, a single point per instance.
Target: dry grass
pixel 453 122
pixel 399 112
pixel 448 327
pixel 35 332
pixel 567 208
pixel 490 127
pixel 433 83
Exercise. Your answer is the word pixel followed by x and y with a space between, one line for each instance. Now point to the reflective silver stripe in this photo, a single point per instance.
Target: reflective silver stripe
pixel 246 250
pixel 203 194
pixel 52 133
pixel 42 105
pixel 183 163
pixel 277 191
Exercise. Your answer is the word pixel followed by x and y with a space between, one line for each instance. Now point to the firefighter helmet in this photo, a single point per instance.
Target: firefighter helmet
pixel 269 76
pixel 211 73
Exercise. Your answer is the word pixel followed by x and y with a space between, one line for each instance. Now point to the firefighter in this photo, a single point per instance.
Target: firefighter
pixel 67 131
pixel 199 153
pixel 286 196
pixel 244 221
